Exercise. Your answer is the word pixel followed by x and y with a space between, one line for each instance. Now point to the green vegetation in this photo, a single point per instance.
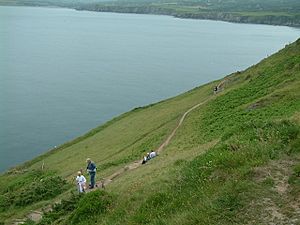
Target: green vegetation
pixel 34 186
pixel 80 208
pixel 234 160
pixel 28 188
pixel 275 12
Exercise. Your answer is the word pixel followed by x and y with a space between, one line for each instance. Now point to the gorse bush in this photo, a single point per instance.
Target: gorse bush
pixel 79 208
pixel 297 170
pixel 62 209
pixel 89 206
pixel 43 189
pixel 4 203
pixel 24 179
pixel 33 187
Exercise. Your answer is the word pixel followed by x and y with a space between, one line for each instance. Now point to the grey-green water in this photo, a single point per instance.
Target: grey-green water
pixel 63 72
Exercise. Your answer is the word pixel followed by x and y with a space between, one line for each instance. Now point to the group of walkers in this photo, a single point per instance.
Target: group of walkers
pixel 81 180
pixel 91 170
pixel 149 156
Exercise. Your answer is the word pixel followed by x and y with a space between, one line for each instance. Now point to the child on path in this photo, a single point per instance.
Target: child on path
pixel 81 181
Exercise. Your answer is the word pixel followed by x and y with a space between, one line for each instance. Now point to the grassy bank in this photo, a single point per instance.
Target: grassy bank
pixel 235 159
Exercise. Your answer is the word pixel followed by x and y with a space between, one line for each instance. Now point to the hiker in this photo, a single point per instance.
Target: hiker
pixel 152 154
pixel 144 160
pixel 216 89
pixel 148 156
pixel 91 169
pixel 81 181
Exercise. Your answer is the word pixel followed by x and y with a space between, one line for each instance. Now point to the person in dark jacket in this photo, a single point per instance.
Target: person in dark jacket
pixel 144 160
pixel 215 89
pixel 91 169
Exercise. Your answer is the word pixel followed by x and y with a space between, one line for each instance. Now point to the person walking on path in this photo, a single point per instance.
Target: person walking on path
pixel 91 169
pixel 81 181
pixel 144 160
pixel 152 154
pixel 216 89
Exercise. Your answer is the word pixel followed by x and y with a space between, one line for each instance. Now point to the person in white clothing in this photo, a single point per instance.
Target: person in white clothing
pixel 152 154
pixel 81 181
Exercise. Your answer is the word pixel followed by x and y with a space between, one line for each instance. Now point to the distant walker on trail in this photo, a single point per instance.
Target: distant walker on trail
pixel 215 89
pixel 152 154
pixel 144 160
pixel 149 156
pixel 91 169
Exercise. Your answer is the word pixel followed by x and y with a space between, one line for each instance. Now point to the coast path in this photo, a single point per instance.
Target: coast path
pixel 138 163
pixel 36 216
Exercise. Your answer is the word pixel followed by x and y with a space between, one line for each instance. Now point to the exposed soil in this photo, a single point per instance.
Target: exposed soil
pixel 283 207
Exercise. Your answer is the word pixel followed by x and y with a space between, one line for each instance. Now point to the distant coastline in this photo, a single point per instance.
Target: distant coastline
pixel 241 17
pixel 248 17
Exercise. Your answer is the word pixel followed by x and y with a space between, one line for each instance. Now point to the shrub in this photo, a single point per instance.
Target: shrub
pixel 64 208
pixel 43 189
pixel 29 222
pixel 297 170
pixel 33 187
pixel 294 179
pixel 90 205
pixel 4 202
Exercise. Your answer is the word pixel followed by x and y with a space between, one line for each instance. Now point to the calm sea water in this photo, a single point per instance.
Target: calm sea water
pixel 63 72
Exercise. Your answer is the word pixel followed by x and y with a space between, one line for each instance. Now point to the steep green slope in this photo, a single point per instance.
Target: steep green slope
pixel 234 160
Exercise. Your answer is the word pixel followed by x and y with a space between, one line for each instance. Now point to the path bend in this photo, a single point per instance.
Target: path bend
pixel 138 163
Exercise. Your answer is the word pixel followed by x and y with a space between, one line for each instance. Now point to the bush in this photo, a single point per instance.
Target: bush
pixel 29 222
pixel 295 146
pixel 90 205
pixel 64 208
pixel 33 187
pixel 297 170
pixel 78 208
pixel 4 202
pixel 43 189
pixel 294 179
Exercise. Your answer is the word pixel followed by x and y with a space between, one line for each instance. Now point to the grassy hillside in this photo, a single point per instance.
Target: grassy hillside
pixel 234 160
